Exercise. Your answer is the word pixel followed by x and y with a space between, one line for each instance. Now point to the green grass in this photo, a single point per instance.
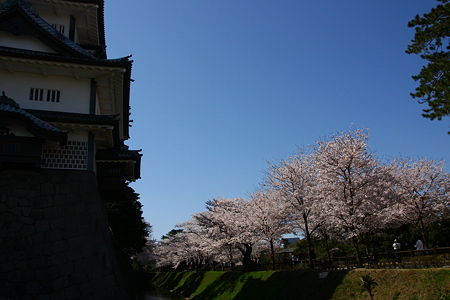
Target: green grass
pixel 399 284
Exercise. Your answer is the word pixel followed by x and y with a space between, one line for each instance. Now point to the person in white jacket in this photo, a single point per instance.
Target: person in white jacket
pixel 419 245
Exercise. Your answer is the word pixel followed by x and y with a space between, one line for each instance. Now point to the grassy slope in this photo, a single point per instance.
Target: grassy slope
pixel 338 285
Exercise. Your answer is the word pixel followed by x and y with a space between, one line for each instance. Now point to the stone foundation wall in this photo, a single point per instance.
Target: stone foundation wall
pixel 54 239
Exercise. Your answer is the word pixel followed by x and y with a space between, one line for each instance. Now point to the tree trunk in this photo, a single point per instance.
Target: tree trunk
pixel 247 259
pixel 309 242
pixel 272 251
pixel 327 246
pixel 423 232
pixel 358 253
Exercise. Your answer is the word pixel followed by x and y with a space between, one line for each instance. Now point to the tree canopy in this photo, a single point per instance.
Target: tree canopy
pixel 431 41
pixel 338 192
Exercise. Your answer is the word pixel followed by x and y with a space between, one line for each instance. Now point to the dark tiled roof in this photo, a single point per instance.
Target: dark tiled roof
pixel 9 109
pixel 118 153
pixel 8 105
pixel 56 116
pixel 123 62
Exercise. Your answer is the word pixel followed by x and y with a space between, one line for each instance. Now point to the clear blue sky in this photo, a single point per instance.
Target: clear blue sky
pixel 221 87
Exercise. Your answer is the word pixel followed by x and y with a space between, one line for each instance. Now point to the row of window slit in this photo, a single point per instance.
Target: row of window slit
pixel 38 95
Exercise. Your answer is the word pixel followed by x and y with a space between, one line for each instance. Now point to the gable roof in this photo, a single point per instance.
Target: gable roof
pixel 20 17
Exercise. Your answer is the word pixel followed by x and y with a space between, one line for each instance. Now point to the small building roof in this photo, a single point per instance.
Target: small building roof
pixel 11 114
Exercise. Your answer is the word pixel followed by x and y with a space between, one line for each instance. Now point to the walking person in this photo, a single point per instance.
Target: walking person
pixel 419 246
pixel 397 247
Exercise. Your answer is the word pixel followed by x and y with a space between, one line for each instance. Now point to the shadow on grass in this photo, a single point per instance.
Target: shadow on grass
pixel 303 285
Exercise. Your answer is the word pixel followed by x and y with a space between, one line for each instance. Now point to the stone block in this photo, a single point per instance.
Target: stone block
pixel 31 252
pixel 6 290
pixel 70 232
pixel 7 266
pixel 33 287
pixel 21 244
pixel 39 202
pixel 26 211
pixel 42 225
pixel 60 246
pixel 6 190
pixel 7 247
pixel 69 187
pixel 3 230
pixel 28 275
pixel 57 223
pixel 61 283
pixel 72 292
pixel 20 291
pixel 3 206
pixel 59 199
pixel 37 214
pixel 52 273
pixel 57 259
pixel 66 268
pixel 21 265
pixel 78 278
pixel 37 263
pixel 25 220
pixel 27 231
pixel 14 256
pixel 17 211
pixel 46 288
pixel 6 217
pixel 14 276
pixel 23 201
pixel 73 198
pixel 20 193
pixel 32 193
pixel 36 239
pixel 50 213
pixel 14 226
pixel 47 188
pixel 65 210
pixel 45 249
pixel 12 201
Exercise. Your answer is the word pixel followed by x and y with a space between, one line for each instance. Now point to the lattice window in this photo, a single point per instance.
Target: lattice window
pixel 59 27
pixel 74 155
pixel 44 95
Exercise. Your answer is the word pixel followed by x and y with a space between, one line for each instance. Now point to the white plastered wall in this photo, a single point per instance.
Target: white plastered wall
pixel 28 42
pixel 57 19
pixel 74 97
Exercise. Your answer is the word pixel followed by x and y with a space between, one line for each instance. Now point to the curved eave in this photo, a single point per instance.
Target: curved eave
pixel 8 118
pixel 132 167
pixel 104 134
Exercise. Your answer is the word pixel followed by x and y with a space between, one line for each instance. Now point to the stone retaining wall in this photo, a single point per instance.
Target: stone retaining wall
pixel 54 238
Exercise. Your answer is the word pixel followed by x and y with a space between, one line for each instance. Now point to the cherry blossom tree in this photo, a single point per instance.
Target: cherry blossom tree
pixel 295 180
pixel 352 184
pixel 423 191
pixel 230 223
pixel 187 247
pixel 270 217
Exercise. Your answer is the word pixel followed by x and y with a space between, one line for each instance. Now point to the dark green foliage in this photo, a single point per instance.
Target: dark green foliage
pixel 368 284
pixel 431 41
pixel 126 222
